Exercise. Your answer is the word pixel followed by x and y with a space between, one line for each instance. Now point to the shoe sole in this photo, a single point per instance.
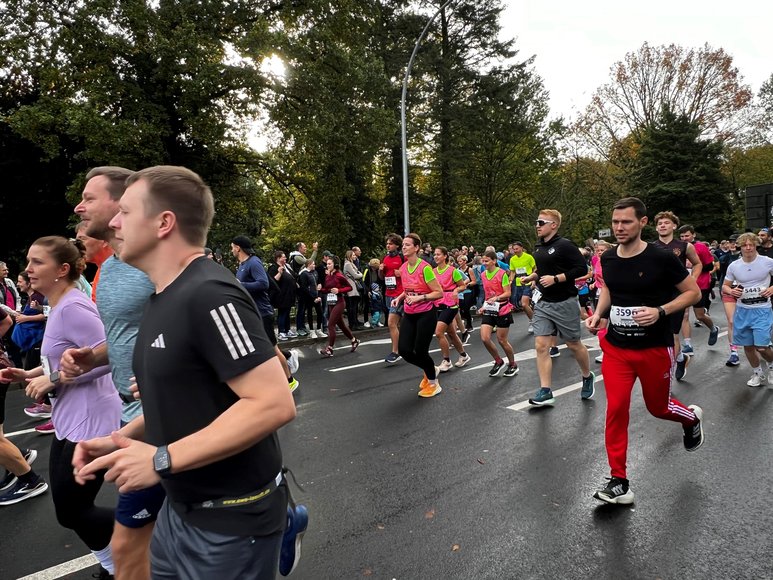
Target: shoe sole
pixel 37 415
pixel 429 394
pixel 391 362
pixel 625 499
pixel 542 403
pixel 35 492
pixel 442 370
pixel 51 432
pixel 558 354
pixel 511 374
pixel 496 374
pixel 463 364
pixel 297 550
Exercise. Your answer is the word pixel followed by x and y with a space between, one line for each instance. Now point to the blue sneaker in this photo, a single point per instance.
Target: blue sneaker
pixel 392 358
pixel 588 387
pixel 680 370
pixel 20 491
pixel 687 350
pixel 297 522
pixel 713 335
pixel 543 397
pixel 733 361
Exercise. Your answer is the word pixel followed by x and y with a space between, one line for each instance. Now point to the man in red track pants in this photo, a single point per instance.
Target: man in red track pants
pixel 643 285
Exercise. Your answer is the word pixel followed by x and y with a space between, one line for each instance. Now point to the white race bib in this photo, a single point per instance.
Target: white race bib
pixel 535 296
pixel 391 282
pixel 753 295
pixel 623 316
pixel 332 298
pixel 491 309
pixel 520 271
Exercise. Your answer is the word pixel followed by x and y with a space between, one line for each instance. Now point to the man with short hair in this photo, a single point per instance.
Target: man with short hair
pixel 556 308
pixel 706 262
pixel 213 391
pixel 389 272
pixel 643 284
pixel 766 243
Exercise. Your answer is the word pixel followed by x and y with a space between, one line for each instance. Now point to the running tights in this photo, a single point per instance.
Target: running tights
pixel 416 332
pixel 335 318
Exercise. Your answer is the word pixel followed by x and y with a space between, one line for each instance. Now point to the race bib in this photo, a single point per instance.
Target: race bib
pixel 623 316
pixel 520 271
pixel 491 309
pixel 535 296
pixel 390 282
pixel 332 298
pixel 753 295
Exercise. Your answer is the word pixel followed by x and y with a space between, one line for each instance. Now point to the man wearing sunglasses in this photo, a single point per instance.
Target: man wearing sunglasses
pixel 556 308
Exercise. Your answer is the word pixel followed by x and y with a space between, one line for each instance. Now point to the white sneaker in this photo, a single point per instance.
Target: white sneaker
pixel 367 324
pixel 321 334
pixel 599 358
pixel 283 336
pixel 293 362
pixel 445 366
pixel 312 334
pixel 530 330
pixel 292 334
pixel 757 380
pixel 463 360
pixel 381 325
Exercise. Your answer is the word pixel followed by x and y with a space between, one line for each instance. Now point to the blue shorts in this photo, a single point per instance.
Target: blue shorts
pixel 394 310
pixel 752 326
pixel 137 509
pixel 521 291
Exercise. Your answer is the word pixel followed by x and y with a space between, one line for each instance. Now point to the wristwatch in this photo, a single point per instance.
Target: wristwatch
pixel 54 377
pixel 556 280
pixel 162 463
pixel 661 312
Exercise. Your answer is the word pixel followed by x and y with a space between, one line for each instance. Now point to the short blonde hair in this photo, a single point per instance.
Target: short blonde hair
pixel 748 237
pixel 553 213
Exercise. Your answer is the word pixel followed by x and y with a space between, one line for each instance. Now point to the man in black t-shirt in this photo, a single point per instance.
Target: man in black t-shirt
pixel 213 392
pixel 643 284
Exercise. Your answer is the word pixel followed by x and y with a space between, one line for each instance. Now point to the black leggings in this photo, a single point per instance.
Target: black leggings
pixel 74 503
pixel 416 332
pixel 464 309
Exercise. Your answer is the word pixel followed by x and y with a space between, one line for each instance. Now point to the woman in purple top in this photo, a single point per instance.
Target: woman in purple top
pixel 85 408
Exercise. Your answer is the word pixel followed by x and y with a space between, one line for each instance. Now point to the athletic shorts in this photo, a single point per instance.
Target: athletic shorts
pixel 268 324
pixel 395 309
pixel 498 321
pixel 752 326
pixel 137 509
pixel 521 291
pixel 3 391
pixel 446 315
pixel 558 317
pixel 705 300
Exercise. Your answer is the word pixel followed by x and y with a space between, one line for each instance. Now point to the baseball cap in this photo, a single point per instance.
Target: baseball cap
pixel 244 243
pixel 733 238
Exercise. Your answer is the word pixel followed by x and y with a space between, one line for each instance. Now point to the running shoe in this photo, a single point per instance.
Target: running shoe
pixel 38 411
pixel 511 370
pixel 687 350
pixel 770 375
pixel 554 352
pixel 292 334
pixel 496 368
pixel 355 344
pixel 321 333
pixel 10 479
pixel 290 554
pixel 313 334
pixel 430 390
pixel 326 352
pixel 713 335
pixel 599 358
pixel 392 358
pixel 588 387
pixel 466 337
pixel 693 434
pixel 20 491
pixel 367 324
pixel 424 384
pixel 680 370
pixel 445 366
pixel 463 361
pixel 617 491
pixel 293 384
pixel 544 396
pixel 283 336
pixel 697 324
pixel 292 362
pixel 756 380
pixel 733 360
pixel 303 332
pixel 530 328
pixel 46 428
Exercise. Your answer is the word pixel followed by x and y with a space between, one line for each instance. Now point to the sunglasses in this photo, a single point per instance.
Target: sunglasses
pixel 541 223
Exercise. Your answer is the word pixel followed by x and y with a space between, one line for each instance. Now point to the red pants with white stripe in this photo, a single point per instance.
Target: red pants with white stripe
pixel 621 367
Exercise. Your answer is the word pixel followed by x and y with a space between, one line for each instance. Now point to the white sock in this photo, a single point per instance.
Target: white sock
pixel 105 557
pixel 757 370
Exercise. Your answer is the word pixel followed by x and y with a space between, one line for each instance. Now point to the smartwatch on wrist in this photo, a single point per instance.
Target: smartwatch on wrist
pixel 661 311
pixel 162 463
pixel 54 377
pixel 555 280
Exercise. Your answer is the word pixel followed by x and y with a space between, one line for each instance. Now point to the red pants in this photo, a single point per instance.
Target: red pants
pixel 621 367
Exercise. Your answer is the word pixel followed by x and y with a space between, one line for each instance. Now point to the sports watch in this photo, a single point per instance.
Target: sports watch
pixel 162 463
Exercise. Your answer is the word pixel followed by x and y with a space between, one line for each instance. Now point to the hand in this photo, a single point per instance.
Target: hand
pixel 397 273
pixel 13 375
pixel 318 299
pixel 21 318
pixel 381 267
pixel 75 362
pixel 34 305
pixel 547 281
pixel 595 323
pixel 87 451
pixel 394 303
pixel 334 290
pixel 315 246
pixel 130 466
pixel 646 316
pixel 134 388
pixel 38 387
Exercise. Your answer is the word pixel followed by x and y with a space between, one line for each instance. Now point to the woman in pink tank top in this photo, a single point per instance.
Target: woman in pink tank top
pixel 497 312
pixel 452 283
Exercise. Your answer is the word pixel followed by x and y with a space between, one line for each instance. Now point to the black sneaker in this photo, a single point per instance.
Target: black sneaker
pixel 103 574
pixel 617 491
pixel 392 358
pixel 554 352
pixel 10 479
pixel 511 370
pixel 21 491
pixel 693 434
pixel 495 369
pixel 713 335
pixel 680 371
pixel 588 387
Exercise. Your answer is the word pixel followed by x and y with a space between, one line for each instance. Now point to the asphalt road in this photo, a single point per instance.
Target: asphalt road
pixel 475 484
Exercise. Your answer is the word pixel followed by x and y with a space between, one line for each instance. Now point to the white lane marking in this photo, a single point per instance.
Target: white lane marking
pixel 591 343
pixel 22 432
pixel 64 569
pixel 367 364
pixel 557 393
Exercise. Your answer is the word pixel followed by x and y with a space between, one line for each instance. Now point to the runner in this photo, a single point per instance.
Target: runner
pixel 497 312
pixel 522 264
pixel 641 280
pixel 420 290
pixel 452 283
pixel 335 286
pixel 728 300
pixel 389 272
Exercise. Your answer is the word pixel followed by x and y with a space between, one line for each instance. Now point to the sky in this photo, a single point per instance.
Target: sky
pixel 576 43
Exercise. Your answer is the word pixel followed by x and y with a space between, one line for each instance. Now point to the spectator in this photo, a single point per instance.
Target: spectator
pixel 285 278
pixel 309 301
pixel 354 276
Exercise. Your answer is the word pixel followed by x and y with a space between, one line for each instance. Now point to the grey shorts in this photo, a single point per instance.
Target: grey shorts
pixel 562 317
pixel 181 551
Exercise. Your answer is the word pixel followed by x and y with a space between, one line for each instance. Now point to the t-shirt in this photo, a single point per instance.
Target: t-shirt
pixel 252 274
pixel 88 407
pixel 522 265
pixel 647 279
pixel 754 277
pixel 122 293
pixel 559 256
pixel 707 261
pixel 200 332
pixel 392 283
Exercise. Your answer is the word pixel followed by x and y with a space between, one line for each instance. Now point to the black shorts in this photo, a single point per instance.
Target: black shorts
pixel 446 315
pixel 705 300
pixel 268 324
pixel 675 320
pixel 3 391
pixel 498 321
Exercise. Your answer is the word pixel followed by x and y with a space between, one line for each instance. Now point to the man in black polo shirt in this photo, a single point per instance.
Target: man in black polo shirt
pixel 556 307
pixel 213 392
pixel 643 285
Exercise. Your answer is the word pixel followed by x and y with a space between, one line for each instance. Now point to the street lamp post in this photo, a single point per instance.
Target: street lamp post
pixel 406 215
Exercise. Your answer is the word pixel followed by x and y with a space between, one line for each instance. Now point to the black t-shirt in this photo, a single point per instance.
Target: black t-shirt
pixel 200 332
pixel 559 256
pixel 647 279
pixel 678 247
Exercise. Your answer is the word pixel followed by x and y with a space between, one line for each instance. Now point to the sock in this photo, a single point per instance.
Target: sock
pixel 290 379
pixel 680 357
pixel 733 348
pixel 498 360
pixel 688 341
pixel 105 557
pixel 28 477
pixel 433 382
pixel 512 363
pixel 447 358
pixel 757 370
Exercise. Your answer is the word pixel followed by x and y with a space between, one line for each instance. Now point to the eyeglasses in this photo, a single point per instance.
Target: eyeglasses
pixel 541 223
